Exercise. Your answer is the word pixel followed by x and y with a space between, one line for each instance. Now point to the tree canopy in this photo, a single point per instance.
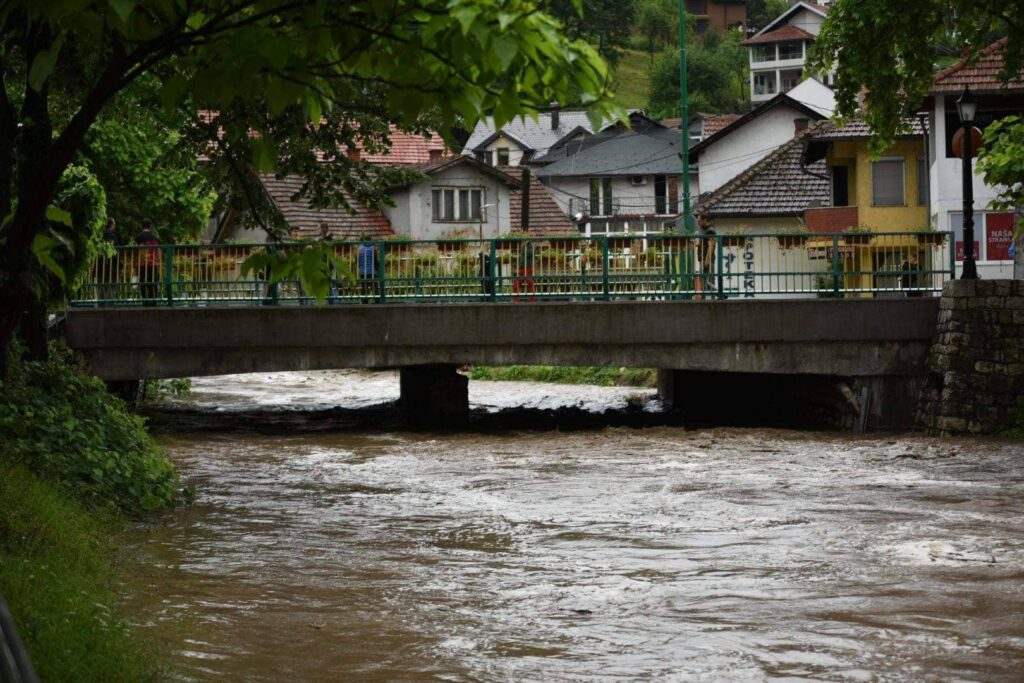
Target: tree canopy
pixel 716 76
pixel 292 79
pixel 888 53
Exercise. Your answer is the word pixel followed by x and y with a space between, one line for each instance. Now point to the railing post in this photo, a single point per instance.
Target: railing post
pixel 951 245
pixel 274 293
pixel 604 268
pixel 491 269
pixel 720 265
pixel 382 267
pixel 837 266
pixel 168 265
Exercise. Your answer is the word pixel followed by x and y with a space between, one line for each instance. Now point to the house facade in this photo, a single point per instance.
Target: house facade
pixel 718 15
pixel 778 52
pixel 621 180
pixel 993 229
pixel 739 145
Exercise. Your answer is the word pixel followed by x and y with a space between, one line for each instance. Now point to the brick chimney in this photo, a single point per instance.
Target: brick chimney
pixel 800 125
pixel 435 155
pixel 354 153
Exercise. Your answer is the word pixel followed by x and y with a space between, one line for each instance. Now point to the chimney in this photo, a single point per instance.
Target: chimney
pixel 435 155
pixel 353 153
pixel 554 116
pixel 800 125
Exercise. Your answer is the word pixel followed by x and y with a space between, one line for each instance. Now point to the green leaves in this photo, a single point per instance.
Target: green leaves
pixel 1001 163
pixel 314 265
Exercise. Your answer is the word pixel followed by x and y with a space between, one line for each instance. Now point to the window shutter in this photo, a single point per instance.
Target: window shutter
pixel 475 204
pixel 449 205
pixel 606 191
pixel 463 205
pixel 435 205
pixel 595 197
pixel 922 181
pixel 887 182
pixel 673 194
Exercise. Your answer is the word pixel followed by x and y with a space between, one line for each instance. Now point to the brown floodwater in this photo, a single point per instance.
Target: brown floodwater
pixel 619 554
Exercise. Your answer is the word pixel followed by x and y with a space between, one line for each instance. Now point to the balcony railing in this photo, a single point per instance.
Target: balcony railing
pixel 512 269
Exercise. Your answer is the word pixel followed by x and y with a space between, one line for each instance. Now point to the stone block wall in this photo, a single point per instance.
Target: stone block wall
pixel 976 365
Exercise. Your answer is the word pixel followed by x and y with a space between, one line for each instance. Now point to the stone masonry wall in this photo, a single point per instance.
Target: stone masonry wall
pixel 976 365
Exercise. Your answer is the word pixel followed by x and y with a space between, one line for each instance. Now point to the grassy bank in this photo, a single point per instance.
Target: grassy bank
pixel 58 577
pixel 76 465
pixel 632 78
pixel 601 376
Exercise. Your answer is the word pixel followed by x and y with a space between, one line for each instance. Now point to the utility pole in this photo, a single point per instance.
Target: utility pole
pixel 686 225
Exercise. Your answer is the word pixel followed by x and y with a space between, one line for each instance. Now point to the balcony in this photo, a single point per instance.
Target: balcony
pixel 828 220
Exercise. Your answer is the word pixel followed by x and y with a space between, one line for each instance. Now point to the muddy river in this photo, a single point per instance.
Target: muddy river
pixel 617 554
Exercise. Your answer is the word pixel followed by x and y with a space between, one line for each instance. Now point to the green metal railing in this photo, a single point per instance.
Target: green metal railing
pixel 529 269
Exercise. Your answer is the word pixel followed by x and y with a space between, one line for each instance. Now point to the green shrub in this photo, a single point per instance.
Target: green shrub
pixel 601 376
pixel 63 425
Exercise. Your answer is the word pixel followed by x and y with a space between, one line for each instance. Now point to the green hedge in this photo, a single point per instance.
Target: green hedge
pixel 601 376
pixel 62 424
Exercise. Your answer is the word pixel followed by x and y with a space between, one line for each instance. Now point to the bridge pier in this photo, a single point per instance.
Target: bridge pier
pixel 434 395
pixel 791 400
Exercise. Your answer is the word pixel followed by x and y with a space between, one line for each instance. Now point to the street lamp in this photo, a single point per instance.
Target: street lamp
pixel 967 108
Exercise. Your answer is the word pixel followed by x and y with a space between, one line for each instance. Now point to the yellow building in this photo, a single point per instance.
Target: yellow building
pixel 884 198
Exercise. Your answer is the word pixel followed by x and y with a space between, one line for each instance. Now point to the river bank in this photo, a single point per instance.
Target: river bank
pixel 77 469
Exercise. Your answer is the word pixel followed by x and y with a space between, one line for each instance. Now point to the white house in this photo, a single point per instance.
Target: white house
pixel 993 230
pixel 741 144
pixel 623 179
pixel 778 52
pixel 523 139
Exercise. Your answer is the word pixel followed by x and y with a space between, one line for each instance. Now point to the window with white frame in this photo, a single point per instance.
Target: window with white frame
pixel 485 156
pixel 764 53
pixel 456 204
pixel 502 153
pixel 887 182
pixel 791 50
pixel 601 197
pixel 764 83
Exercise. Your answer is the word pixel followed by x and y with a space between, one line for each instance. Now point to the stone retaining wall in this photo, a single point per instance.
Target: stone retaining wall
pixel 976 365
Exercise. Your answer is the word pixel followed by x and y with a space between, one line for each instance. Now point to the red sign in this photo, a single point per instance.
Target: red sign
pixel 960 250
pixel 998 236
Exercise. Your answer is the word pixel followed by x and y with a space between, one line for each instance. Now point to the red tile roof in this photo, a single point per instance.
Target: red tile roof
pixel 983 73
pixel 716 122
pixel 408 149
pixel 787 32
pixel 546 217
pixel 304 221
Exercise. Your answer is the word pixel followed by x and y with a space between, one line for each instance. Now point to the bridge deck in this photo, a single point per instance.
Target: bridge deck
pixel 808 336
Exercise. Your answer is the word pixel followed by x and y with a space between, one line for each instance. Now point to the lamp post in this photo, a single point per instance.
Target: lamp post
pixel 967 108
pixel 686 225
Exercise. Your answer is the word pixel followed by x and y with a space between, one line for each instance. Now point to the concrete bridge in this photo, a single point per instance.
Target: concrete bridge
pixel 824 360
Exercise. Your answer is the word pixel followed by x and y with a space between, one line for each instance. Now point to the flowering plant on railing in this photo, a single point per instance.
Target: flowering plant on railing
pixel 316 266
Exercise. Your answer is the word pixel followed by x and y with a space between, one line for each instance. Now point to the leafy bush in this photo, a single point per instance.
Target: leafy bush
pixel 63 425
pixel 1016 427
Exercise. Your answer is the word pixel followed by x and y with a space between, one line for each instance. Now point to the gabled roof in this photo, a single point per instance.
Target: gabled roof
pixel 779 100
pixel 435 167
pixel 546 217
pixel 982 73
pixel 820 10
pixel 778 185
pixel 497 134
pixel 779 35
pixel 578 130
pixel 858 129
pixel 304 221
pixel 645 151
pixel 534 134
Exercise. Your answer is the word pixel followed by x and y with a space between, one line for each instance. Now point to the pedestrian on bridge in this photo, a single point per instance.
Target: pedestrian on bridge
pixel 366 267
pixel 148 264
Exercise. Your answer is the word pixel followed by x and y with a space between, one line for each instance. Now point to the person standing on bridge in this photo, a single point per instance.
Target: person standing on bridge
pixel 366 267
pixel 148 264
